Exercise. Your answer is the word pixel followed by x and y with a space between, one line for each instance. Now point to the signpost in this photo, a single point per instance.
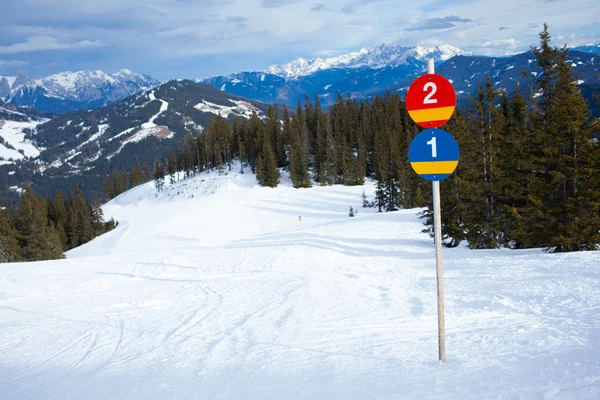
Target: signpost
pixel 431 100
pixel 434 154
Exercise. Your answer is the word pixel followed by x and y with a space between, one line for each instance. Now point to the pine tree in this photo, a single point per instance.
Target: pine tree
pixel 270 171
pixel 108 187
pixel 159 175
pixel 98 227
pixel 562 210
pixel 298 157
pixel 171 167
pixel 9 246
pixel 146 175
pixel 135 176
pixel 118 183
pixel 37 237
pixel 61 217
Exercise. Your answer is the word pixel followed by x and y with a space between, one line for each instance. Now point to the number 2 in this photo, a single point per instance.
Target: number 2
pixel 428 98
pixel 432 142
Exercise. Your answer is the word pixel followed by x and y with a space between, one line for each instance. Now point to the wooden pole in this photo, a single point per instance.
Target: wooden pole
pixel 437 229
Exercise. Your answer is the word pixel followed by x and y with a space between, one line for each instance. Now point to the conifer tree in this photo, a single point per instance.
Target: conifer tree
pixel 135 176
pixel 171 167
pixel 270 173
pixel 298 157
pixel 37 237
pixel 159 175
pixel 118 183
pixel 9 246
pixel 108 187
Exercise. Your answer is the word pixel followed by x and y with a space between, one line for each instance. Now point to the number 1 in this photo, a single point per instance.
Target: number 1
pixel 433 147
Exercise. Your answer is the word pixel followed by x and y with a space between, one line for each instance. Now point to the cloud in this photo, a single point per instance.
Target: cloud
pixel 450 21
pixel 6 64
pixel 348 9
pixel 511 42
pixel 43 43
pixel 277 3
pixel 185 38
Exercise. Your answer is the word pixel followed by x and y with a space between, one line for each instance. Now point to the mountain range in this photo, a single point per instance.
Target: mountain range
pixel 71 91
pixel 357 74
pixel 57 151
pixel 78 146
pixel 386 67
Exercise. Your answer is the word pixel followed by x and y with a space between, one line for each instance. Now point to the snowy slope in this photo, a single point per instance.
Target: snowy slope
pixel 13 145
pixel 214 289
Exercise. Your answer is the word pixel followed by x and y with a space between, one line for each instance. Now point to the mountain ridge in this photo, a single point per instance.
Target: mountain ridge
pixel 378 57
pixel 71 91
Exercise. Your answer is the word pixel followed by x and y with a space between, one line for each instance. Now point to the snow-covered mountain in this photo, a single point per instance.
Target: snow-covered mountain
pixel 384 56
pixel 70 91
pixel 592 48
pixel 77 146
pixel 213 289
pixel 358 73
pixel 374 71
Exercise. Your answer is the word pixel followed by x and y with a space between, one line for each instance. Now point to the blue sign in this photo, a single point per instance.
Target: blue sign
pixel 434 154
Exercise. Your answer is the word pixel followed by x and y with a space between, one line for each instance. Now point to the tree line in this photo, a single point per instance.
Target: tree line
pixel 43 229
pixel 529 174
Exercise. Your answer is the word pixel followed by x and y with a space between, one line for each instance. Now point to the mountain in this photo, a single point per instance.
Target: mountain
pixel 374 71
pixel 77 147
pixel 384 56
pixel 359 74
pixel 592 48
pixel 71 91
pixel 467 73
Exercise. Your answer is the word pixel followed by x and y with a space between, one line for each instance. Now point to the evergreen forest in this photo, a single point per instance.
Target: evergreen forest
pixel 529 173
pixel 43 229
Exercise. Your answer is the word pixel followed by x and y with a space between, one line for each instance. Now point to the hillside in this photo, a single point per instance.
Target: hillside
pixel 215 289
pixel 76 148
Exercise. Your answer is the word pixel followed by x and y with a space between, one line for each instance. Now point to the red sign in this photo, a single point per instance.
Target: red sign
pixel 431 100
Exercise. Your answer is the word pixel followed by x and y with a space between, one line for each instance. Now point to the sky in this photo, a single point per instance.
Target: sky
pixel 200 38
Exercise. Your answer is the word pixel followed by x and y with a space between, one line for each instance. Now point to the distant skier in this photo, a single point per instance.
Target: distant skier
pixel 299 219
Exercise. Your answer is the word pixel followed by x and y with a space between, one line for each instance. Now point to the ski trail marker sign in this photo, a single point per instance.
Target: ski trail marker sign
pixel 431 100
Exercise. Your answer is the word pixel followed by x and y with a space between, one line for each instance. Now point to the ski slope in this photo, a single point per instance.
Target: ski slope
pixel 214 289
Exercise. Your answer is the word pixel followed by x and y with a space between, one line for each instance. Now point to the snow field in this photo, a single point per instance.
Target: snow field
pixel 12 133
pixel 213 289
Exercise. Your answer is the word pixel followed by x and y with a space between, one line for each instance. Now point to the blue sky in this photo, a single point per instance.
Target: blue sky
pixel 199 38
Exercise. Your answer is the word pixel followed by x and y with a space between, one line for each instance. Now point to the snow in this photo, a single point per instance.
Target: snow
pixel 375 57
pixel 125 132
pixel 73 155
pixel 10 80
pixel 163 107
pixel 215 289
pixel 101 130
pixel 12 133
pixel 241 108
